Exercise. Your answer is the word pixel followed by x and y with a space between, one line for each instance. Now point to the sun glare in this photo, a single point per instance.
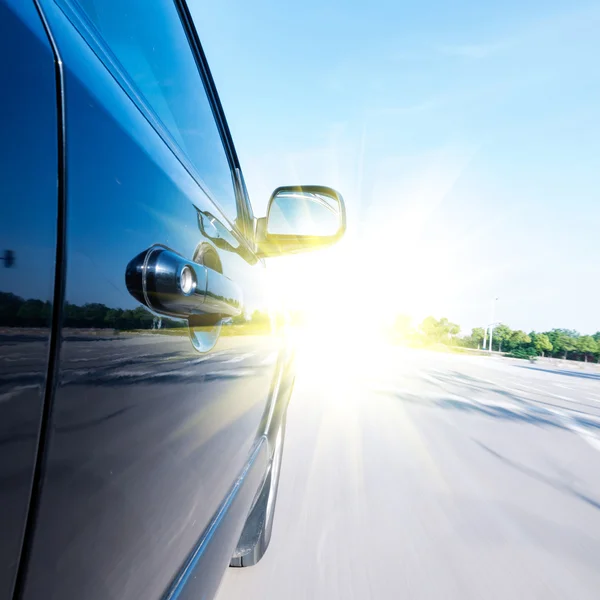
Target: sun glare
pixel 346 298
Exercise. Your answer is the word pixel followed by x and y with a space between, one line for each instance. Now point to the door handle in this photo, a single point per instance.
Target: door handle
pixel 169 284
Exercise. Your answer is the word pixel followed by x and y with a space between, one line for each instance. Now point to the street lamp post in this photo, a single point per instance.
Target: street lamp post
pixel 492 321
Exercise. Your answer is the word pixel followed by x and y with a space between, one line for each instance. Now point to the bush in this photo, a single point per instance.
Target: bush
pixel 524 353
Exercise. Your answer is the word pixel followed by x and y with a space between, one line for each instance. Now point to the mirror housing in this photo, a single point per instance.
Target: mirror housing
pixel 301 218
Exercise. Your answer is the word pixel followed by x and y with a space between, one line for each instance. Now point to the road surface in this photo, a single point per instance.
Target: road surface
pixel 413 474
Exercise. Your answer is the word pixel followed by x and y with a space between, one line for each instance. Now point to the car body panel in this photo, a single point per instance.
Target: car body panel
pixel 28 236
pixel 147 437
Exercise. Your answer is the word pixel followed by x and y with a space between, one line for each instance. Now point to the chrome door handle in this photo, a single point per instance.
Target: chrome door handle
pixel 169 284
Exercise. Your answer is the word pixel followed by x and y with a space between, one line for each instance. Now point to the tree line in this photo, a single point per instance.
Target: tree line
pixel 18 312
pixel 557 343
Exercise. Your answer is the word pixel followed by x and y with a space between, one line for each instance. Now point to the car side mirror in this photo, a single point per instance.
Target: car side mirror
pixel 301 219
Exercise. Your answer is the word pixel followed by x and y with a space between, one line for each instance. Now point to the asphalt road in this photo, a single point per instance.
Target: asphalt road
pixel 412 474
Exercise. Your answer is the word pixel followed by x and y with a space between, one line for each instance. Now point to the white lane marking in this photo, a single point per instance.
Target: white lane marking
pixel 568 421
pixel 514 390
pixel 270 359
pixel 527 390
pixel 197 361
pixel 237 359
pixel 587 436
pixel 530 389
pixel 231 373
pixel 565 387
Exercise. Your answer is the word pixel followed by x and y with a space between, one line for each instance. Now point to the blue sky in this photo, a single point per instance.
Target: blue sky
pixel 465 138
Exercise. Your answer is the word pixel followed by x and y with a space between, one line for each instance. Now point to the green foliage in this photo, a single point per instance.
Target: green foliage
pixel 541 342
pixel 429 327
pixel 402 330
pixel 9 307
pixel 517 339
pixel 260 318
pixel 34 312
pixel 239 320
pixel 453 329
pixel 474 340
pixel 477 336
pixel 587 345
pixel 500 335
pixel 526 352
pixel 557 343
pixel 442 331
pixel 17 312
pixel 563 341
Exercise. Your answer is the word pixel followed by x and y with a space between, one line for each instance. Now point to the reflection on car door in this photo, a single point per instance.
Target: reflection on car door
pixel 28 217
pixel 147 435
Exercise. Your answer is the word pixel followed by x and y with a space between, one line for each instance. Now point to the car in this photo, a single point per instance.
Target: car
pixel 140 439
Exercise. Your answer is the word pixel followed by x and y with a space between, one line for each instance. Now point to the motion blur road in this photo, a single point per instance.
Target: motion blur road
pixel 412 474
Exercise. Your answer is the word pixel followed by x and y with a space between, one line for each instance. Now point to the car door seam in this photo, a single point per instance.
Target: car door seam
pixel 56 321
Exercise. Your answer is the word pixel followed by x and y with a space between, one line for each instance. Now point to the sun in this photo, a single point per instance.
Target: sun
pixel 325 292
pixel 348 294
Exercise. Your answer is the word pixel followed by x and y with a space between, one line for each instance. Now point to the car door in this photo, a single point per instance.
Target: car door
pixel 156 413
pixel 29 198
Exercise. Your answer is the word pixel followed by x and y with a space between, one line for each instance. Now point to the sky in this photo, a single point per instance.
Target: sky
pixel 464 137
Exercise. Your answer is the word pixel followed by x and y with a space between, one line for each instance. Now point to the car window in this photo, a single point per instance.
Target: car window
pixel 150 43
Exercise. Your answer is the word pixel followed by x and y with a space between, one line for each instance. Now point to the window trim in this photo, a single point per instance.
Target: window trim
pixel 81 22
pixel 244 207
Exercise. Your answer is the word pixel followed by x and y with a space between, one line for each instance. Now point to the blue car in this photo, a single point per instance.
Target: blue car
pixel 145 369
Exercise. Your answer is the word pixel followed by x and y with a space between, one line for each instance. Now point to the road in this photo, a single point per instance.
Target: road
pixel 413 474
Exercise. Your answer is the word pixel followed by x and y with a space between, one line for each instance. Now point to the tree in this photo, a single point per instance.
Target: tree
pixel 564 344
pixel 260 318
pixel 568 344
pixel 453 331
pixel 34 313
pixel 541 342
pixel 239 319
pixel 429 327
pixel 518 339
pixel 9 308
pixel 563 341
pixel 477 335
pixel 94 314
pixel 261 321
pixel 439 331
pixel 112 317
pixel 501 334
pixel 596 336
pixel 587 345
